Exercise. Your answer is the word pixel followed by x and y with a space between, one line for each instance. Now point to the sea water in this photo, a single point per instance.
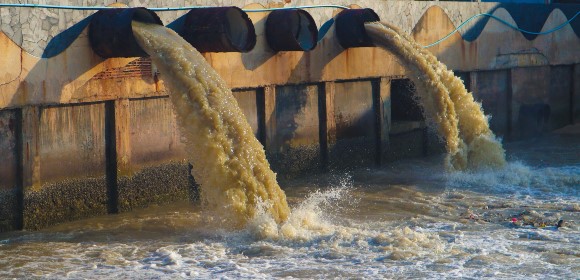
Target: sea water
pixel 409 219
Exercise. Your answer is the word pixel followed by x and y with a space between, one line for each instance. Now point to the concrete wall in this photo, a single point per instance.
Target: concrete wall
pixel 83 136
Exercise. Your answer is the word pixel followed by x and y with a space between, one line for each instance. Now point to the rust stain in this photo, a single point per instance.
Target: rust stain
pixel 44 90
pixel 140 67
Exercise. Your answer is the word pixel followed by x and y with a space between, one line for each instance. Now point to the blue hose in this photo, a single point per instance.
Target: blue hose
pixel 504 22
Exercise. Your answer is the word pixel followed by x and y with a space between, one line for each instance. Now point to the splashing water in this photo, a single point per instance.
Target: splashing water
pixel 446 103
pixel 228 161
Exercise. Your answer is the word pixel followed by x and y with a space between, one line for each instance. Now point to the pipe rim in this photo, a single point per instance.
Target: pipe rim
pixel 293 36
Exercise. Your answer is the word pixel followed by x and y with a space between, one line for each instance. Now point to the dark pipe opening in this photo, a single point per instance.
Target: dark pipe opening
pixel 220 29
pixel 350 27
pixel 111 33
pixel 291 30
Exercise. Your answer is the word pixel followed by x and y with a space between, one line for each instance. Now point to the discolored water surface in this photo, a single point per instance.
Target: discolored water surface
pixel 408 219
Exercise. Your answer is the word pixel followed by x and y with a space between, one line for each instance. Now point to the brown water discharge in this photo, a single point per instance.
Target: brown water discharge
pixel 446 103
pixel 228 161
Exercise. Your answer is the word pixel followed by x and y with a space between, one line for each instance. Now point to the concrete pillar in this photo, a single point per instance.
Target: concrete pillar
pixel 123 136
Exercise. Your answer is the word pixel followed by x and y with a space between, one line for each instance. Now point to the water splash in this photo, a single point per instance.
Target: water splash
pixel 228 161
pixel 446 103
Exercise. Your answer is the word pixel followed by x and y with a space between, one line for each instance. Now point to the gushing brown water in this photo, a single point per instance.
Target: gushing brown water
pixel 228 161
pixel 459 120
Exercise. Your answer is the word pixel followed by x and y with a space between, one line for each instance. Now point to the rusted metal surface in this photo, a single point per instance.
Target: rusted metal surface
pixel 291 30
pixel 220 29
pixel 350 28
pixel 111 34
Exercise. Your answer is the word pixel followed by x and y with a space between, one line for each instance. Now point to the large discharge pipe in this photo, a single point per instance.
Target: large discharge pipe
pixel 350 27
pixel 111 33
pixel 291 30
pixel 219 29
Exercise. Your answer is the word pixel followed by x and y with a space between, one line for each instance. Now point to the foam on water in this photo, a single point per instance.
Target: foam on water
pixel 322 237
pixel 519 178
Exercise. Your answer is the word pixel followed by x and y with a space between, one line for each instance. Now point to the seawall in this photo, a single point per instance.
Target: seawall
pixel 83 136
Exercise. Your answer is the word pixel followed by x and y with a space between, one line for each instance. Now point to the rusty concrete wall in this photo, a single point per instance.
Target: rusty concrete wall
pixel 64 162
pixel 9 168
pixel 293 143
pixel 493 90
pixel 354 142
pixel 251 103
pixel 83 136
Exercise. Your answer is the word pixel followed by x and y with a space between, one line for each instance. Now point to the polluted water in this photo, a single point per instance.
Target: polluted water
pixel 446 104
pixel 408 219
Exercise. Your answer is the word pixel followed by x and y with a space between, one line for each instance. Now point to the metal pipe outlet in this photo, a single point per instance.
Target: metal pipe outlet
pixel 111 34
pixel 291 30
pixel 350 27
pixel 219 29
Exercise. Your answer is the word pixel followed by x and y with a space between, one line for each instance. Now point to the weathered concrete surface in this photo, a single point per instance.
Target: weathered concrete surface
pixel 64 153
pixel 493 90
pixel 248 102
pixel 354 121
pixel 9 181
pixel 560 96
pixel 155 170
pixel 9 123
pixel 529 103
pixel 72 142
pixel 293 148
pixel 72 79
pixel 154 133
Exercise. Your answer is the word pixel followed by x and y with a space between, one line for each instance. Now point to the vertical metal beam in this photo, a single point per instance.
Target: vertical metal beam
pixel 111 157
pixel 270 116
pixel 19 222
pixel 327 123
pixel 261 112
